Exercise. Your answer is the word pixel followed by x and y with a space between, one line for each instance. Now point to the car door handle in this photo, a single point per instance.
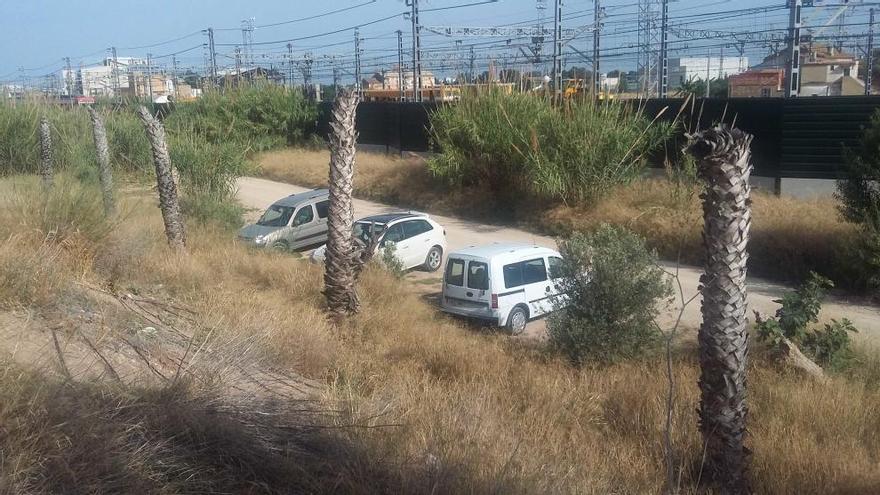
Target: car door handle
pixel 470 294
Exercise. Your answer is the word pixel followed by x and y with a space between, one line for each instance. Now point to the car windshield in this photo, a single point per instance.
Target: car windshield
pixel 276 216
pixel 362 230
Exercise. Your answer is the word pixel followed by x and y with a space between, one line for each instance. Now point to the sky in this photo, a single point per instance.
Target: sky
pixel 38 34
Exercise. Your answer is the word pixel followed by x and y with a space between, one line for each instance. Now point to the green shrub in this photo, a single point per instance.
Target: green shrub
pixel 71 209
pixel 257 117
pixel 205 209
pixel 390 261
pixel 829 346
pixel 207 168
pixel 129 148
pixel 520 144
pixel 859 195
pixel 611 285
pixel 19 140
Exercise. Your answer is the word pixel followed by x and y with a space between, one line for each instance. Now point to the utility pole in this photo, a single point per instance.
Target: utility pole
pixel 290 65
pixel 664 49
pixel 557 49
pixel 213 56
pixel 597 23
pixel 708 66
pixel 335 79
pixel 247 38
pixel 402 96
pixel 357 62
pixel 150 75
pixel 307 74
pixel 114 71
pixel 417 49
pixel 174 76
pixel 471 58
pixel 238 66
pixel 869 57
pixel 721 64
pixel 793 68
pixel 68 77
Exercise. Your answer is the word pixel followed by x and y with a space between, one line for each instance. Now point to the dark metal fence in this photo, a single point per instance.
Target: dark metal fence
pixel 797 137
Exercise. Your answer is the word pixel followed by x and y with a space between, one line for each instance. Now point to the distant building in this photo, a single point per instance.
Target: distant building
pixel 757 83
pixel 825 71
pixel 391 79
pixel 104 79
pixel 608 84
pixel 141 85
pixel 682 70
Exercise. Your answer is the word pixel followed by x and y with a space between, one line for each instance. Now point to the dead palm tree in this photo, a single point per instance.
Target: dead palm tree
pixel 723 156
pixel 46 154
pixel 168 200
pixel 339 272
pixel 99 132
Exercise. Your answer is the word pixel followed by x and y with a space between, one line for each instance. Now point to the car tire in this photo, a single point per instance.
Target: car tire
pixel 280 246
pixel 434 260
pixel 517 320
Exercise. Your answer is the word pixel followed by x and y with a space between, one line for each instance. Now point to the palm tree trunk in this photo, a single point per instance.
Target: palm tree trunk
pixel 723 156
pixel 99 132
pixel 168 200
pixel 339 274
pixel 46 154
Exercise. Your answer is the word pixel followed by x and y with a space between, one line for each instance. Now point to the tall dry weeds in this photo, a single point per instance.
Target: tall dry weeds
pixel 410 402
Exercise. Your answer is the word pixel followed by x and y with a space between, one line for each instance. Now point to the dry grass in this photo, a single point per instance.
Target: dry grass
pixel 422 403
pixel 790 236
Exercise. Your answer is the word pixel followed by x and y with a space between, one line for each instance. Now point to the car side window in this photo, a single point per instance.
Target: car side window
pixel 323 208
pixel 513 275
pixel 455 272
pixel 394 234
pixel 555 266
pixel 478 275
pixel 413 228
pixel 524 273
pixel 303 216
pixel 534 271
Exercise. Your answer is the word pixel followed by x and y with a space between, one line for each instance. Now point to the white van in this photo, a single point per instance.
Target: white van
pixel 507 284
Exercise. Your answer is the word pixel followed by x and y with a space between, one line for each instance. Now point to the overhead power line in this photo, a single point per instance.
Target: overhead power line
pixel 316 16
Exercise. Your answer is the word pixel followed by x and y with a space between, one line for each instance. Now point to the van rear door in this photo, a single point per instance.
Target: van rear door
pixel 466 284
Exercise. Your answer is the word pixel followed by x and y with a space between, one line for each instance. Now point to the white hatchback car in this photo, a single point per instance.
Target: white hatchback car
pixel 506 284
pixel 418 240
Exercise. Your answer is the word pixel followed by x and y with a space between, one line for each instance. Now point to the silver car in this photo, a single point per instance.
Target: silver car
pixel 295 222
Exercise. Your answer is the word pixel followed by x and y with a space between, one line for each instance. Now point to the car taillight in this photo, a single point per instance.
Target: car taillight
pixel 494 301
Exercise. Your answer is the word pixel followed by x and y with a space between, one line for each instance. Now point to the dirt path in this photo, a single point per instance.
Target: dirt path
pixel 260 193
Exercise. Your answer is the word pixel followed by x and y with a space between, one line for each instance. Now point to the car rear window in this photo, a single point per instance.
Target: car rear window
pixel 478 275
pixel 524 272
pixel 416 227
pixel 455 272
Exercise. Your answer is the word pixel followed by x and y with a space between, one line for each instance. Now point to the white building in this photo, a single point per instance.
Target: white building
pixel 682 70
pixel 102 80
pixel 608 84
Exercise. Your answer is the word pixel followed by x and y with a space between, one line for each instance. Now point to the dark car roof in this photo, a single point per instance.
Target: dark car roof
pixel 386 218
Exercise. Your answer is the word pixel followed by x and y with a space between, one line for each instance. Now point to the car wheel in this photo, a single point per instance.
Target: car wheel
pixel 434 259
pixel 280 246
pixel 516 322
